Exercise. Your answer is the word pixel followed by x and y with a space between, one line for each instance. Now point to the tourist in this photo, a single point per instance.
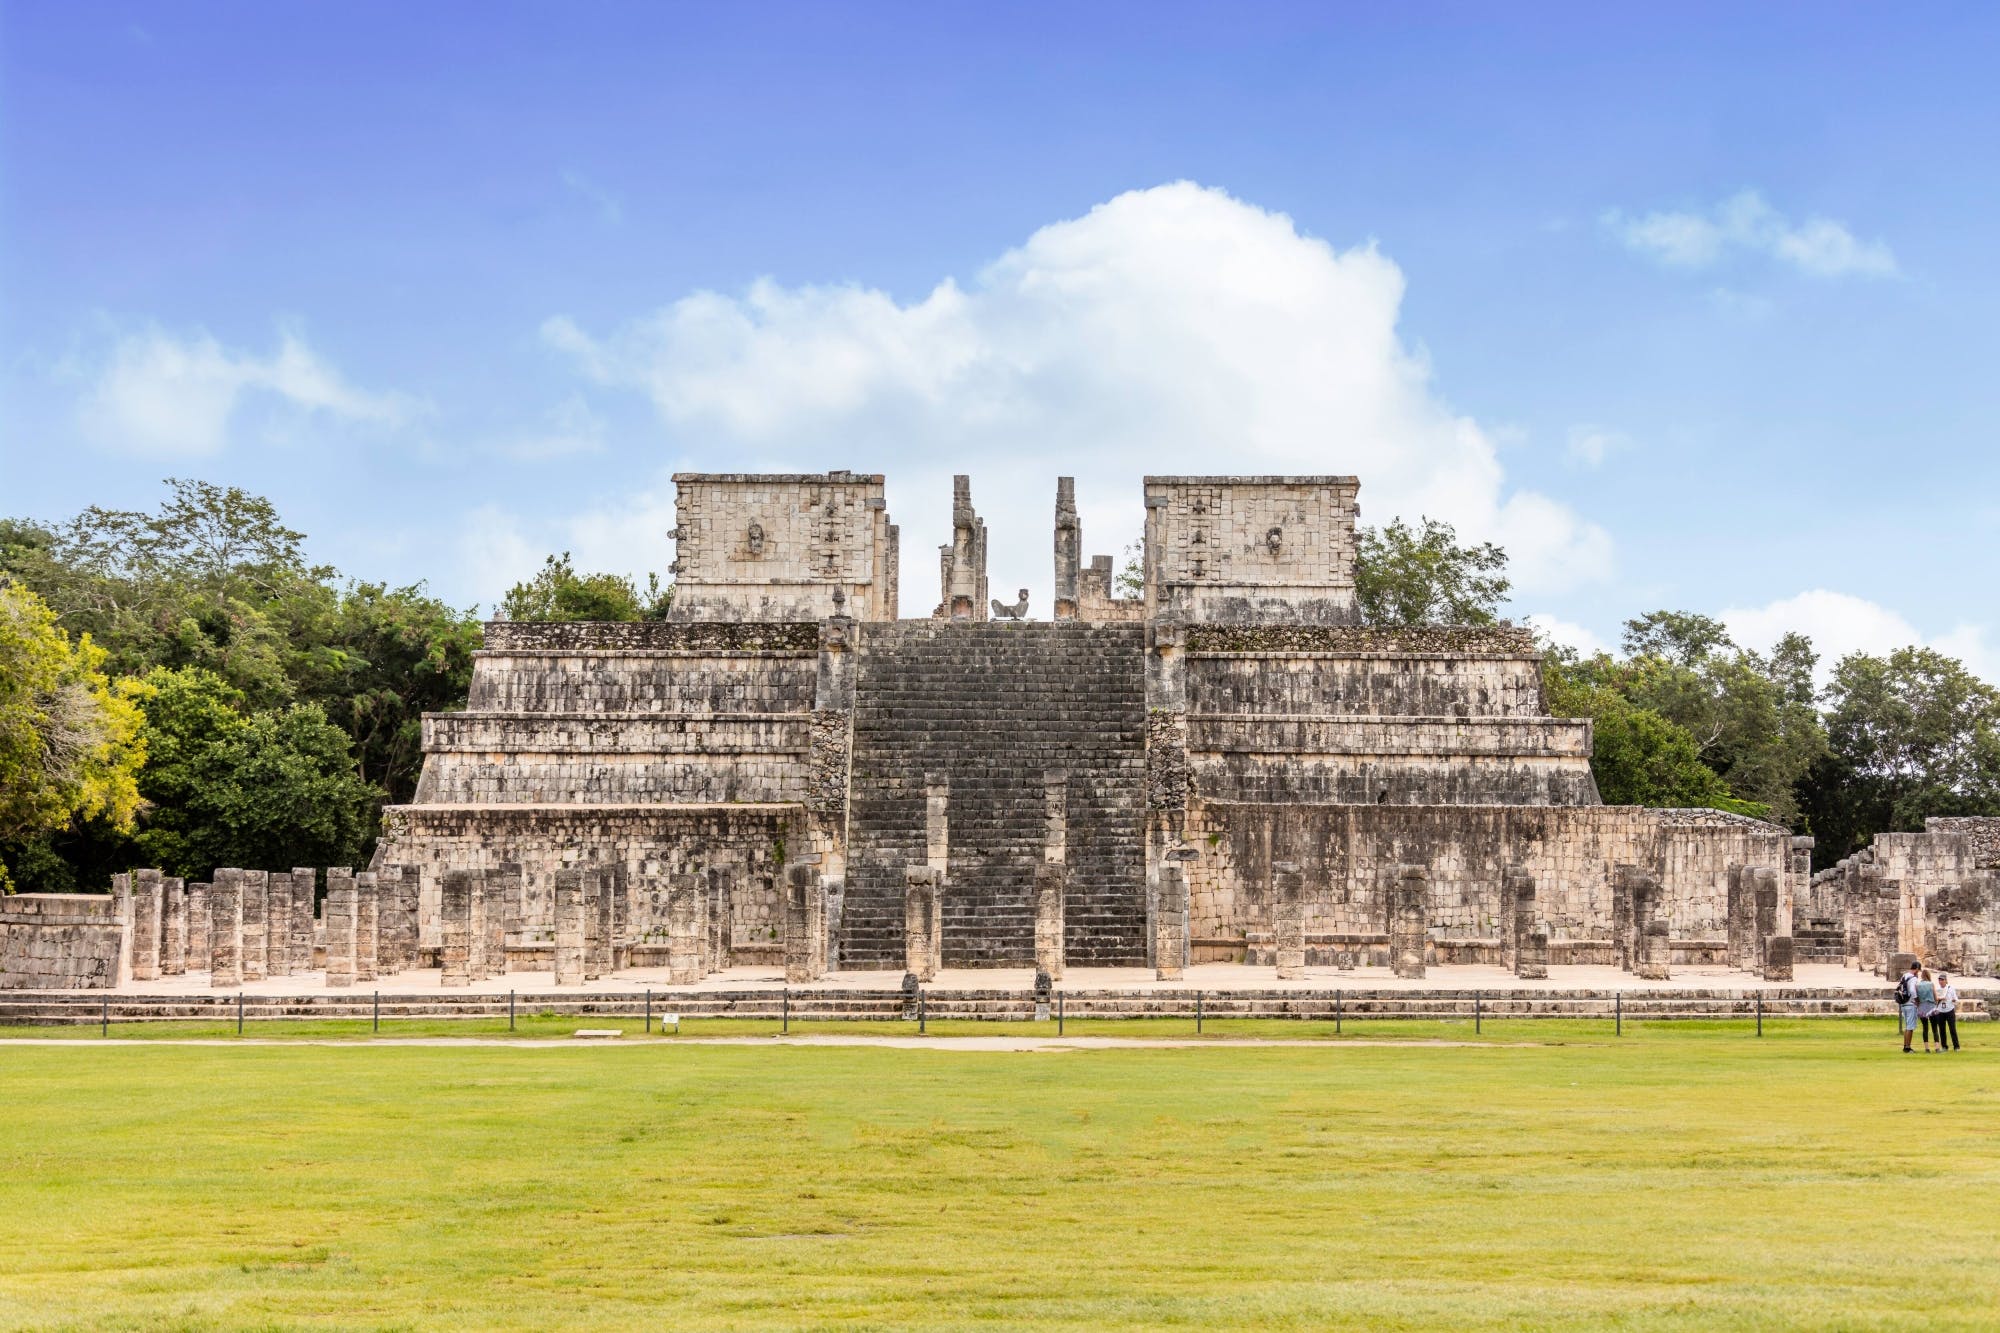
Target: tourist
pixel 1926 1005
pixel 1945 1020
pixel 1906 1004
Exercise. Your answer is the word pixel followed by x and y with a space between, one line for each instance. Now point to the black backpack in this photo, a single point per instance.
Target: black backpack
pixel 1902 992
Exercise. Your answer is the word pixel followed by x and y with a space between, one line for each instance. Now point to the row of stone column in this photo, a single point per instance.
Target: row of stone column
pixel 1751 908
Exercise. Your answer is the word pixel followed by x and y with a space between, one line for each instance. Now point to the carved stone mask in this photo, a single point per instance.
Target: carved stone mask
pixel 755 538
pixel 1274 539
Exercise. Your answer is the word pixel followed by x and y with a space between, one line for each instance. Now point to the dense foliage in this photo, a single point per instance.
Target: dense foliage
pixel 559 593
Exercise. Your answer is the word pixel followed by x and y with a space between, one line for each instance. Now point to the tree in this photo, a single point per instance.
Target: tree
pixel 1752 718
pixel 1423 576
pixel 259 789
pixel 1638 757
pixel 559 593
pixel 70 748
pixel 1913 734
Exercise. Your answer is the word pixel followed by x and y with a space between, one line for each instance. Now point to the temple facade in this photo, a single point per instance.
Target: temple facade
pixel 1227 766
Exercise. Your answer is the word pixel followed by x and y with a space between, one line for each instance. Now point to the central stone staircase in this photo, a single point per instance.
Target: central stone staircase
pixel 990 707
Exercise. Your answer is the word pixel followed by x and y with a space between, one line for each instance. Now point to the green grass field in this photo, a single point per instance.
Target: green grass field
pixel 1680 1177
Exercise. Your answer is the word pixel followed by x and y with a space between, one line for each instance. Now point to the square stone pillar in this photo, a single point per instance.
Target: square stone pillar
pixel 922 922
pixel 367 926
pixel 687 929
pixel 1652 951
pixel 343 924
pixel 569 932
pixel 278 908
pixel 121 907
pixel 721 936
pixel 805 924
pixel 1409 920
pixel 173 927
pixel 146 895
pixel 1739 915
pixel 1288 920
pixel 599 916
pixel 618 931
pixel 1051 886
pixel 408 890
pixel 225 929
pixel 1624 935
pixel 1778 958
pixel 501 886
pixel 198 949
pixel 256 924
pixel 1527 947
pixel 1766 897
pixel 455 909
pixel 304 922
pixel 1170 940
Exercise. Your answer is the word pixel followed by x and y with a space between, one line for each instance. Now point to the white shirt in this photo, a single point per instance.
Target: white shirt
pixel 1910 991
pixel 1947 999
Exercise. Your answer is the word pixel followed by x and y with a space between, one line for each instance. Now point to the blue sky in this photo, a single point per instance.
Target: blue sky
pixel 1691 308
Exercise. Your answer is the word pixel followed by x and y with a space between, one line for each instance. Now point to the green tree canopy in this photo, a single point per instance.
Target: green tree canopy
pixel 70 744
pixel 559 593
pixel 1424 576
pixel 266 788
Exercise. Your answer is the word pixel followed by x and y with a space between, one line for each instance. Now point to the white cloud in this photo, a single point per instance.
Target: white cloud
pixel 570 428
pixel 1169 330
pixel 610 209
pixel 1589 445
pixel 1567 633
pixel 1744 222
pixel 1839 623
pixel 628 535
pixel 160 394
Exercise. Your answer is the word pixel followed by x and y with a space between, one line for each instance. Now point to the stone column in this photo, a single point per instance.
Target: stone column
pixel 962 565
pixel 225 929
pixel 502 886
pixel 1739 915
pixel 805 924
pixel 1051 884
pixel 687 929
pixel 173 927
pixel 937 825
pixel 569 942
pixel 343 924
pixel 599 886
pixel 620 928
pixel 367 926
pixel 1170 942
pixel 278 910
pixel 1288 920
pixel 121 907
pixel 198 949
pixel 1765 899
pixel 1409 920
pixel 305 937
pixel 721 937
pixel 409 892
pixel 256 923
pixel 1651 942
pixel 455 909
pixel 1872 950
pixel 146 896
pixel 1528 937
pixel 1069 552
pixel 920 920
pixel 1624 937
pixel 1778 958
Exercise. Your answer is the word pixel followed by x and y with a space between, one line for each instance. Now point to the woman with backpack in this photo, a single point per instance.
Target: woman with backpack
pixel 1926 1005
pixel 1906 1004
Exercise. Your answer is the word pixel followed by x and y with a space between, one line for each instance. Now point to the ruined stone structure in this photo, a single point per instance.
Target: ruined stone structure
pixel 1228 767
pixel 1234 719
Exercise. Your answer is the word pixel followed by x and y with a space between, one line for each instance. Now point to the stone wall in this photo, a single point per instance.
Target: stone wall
pixel 61 941
pixel 1349 853
pixel 1251 549
pixel 772 547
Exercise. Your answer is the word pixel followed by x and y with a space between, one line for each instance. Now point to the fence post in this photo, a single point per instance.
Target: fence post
pixel 1336 1011
pixel 1059 1013
pixel 510 1011
pixel 920 1013
pixel 1197 1013
pixel 239 1013
pixel 378 1011
pixel 785 1021
pixel 1760 1013
pixel 1618 1012
pixel 1476 1015
pixel 105 1030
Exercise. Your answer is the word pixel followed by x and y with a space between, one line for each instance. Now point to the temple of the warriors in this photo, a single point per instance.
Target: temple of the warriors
pixel 1227 767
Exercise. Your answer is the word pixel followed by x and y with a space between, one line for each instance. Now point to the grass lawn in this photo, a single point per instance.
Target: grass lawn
pixel 1682 1177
